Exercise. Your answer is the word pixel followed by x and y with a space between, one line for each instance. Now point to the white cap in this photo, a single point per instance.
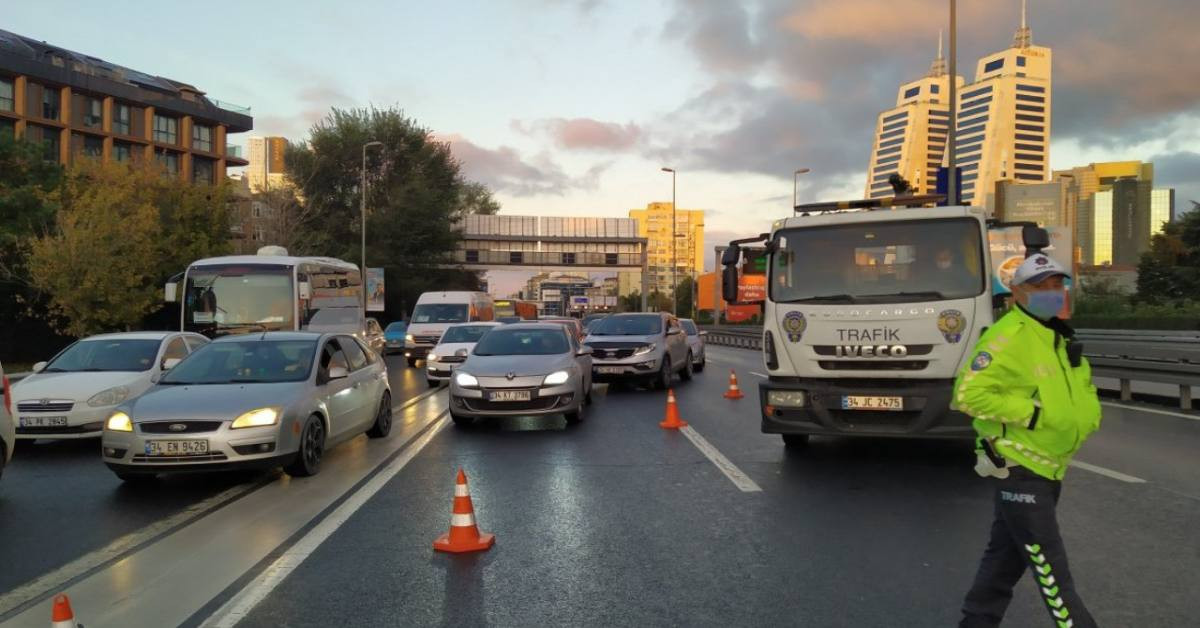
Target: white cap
pixel 1037 267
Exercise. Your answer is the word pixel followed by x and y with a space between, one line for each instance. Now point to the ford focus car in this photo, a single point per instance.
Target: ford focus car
pixel 252 401
pixel 452 350
pixel 71 395
pixel 523 369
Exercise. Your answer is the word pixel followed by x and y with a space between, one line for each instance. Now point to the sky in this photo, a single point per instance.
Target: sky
pixel 570 107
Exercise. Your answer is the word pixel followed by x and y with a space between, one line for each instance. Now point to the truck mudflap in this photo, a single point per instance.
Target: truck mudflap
pixel 847 407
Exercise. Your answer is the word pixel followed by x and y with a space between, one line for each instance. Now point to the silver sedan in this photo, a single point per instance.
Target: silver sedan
pixel 523 369
pixel 252 401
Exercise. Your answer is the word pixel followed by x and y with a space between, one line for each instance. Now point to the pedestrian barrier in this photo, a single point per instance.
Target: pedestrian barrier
pixel 464 535
pixel 672 421
pixel 734 392
pixel 1160 357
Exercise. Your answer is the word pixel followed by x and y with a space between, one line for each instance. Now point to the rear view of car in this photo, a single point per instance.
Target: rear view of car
pixel 452 351
pixel 696 342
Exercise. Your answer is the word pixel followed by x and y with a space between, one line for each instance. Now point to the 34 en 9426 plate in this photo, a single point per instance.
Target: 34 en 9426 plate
pixel 176 448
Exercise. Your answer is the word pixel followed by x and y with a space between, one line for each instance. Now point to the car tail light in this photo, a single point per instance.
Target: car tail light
pixel 7 396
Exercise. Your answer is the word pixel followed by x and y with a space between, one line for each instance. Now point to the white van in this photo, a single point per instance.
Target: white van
pixel 435 312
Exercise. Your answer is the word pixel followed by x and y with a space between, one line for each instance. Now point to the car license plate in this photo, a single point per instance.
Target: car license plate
pixel 509 395
pixel 872 403
pixel 43 421
pixel 176 447
pixel 609 370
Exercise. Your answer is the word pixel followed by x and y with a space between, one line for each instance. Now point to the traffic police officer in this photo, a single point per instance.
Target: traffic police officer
pixel 1030 393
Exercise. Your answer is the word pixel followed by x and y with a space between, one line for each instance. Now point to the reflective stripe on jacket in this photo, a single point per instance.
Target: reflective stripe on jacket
pixel 1019 365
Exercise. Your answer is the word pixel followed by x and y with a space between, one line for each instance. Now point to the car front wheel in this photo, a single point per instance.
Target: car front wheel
pixel 685 373
pixel 312 448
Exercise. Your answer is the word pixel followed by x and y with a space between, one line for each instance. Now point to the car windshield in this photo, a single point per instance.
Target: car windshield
pixel 396 328
pixel 105 355
pixel 689 327
pixel 889 262
pixel 635 325
pixel 245 361
pixel 465 333
pixel 440 313
pixel 506 341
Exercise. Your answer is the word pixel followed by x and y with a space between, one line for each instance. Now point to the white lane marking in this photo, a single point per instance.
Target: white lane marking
pixel 1116 475
pixel 241 604
pixel 758 374
pixel 414 400
pixel 735 475
pixel 54 580
pixel 1193 417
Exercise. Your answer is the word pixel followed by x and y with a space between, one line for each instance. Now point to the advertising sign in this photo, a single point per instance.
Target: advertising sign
pixel 375 291
pixel 752 289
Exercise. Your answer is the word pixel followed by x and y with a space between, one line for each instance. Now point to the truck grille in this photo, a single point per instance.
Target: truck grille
pixel 51 406
pixel 873 365
pixel 852 419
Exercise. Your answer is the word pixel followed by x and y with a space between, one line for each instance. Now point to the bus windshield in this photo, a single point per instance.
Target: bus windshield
pixel 887 262
pixel 226 299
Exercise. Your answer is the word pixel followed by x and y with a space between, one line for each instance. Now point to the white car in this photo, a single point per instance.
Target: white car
pixel 71 395
pixel 452 350
pixel 8 434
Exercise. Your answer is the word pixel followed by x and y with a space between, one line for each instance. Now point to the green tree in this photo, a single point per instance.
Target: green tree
pixel 684 295
pixel 1170 270
pixel 631 302
pixel 415 195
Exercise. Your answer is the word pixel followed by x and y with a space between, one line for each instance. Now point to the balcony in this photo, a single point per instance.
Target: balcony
pixel 232 150
pixel 230 107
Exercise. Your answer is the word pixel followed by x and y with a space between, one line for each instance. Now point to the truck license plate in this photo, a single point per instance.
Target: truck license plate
pixel 176 447
pixel 509 395
pixel 872 403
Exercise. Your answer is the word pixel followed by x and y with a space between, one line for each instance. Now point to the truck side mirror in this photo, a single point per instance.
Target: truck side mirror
pixel 729 283
pixel 1035 239
pixel 169 292
pixel 731 256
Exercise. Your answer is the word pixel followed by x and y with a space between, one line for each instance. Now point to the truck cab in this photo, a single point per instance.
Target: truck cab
pixel 869 314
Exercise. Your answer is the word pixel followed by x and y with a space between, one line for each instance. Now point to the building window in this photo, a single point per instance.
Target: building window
pixel 611 259
pixel 47 137
pixel 1027 177
pixel 1027 147
pixel 568 258
pixel 515 257
pixel 1030 88
pixel 8 128
pixel 897 133
pixel 975 103
pixel 971 112
pixel 169 160
pixel 1037 167
pixel 1029 138
pixel 202 170
pixel 992 66
pixel 166 130
pixel 935 88
pixel 1031 127
pixel 472 256
pixel 259 234
pixel 91 145
pixel 894 117
pixel 120 123
pixel 1033 108
pixel 912 91
pixel 983 90
pixel 51 102
pixel 1021 61
pixel 202 138
pixel 888 151
pixel 6 95
pixel 1030 98
pixel 93 113
pixel 122 151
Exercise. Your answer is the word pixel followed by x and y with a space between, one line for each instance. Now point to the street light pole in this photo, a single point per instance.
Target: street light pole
pixel 952 191
pixel 363 211
pixel 674 245
pixel 796 184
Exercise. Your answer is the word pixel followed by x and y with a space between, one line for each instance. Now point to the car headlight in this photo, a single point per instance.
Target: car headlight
pixel 786 398
pixel 556 378
pixel 408 338
pixel 432 357
pixel 257 418
pixel 119 422
pixel 466 380
pixel 110 397
pixel 644 349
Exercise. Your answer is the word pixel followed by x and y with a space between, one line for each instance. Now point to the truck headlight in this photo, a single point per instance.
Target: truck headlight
pixel 110 397
pixel 466 380
pixel 556 378
pixel 119 422
pixel 644 349
pixel 786 398
pixel 257 418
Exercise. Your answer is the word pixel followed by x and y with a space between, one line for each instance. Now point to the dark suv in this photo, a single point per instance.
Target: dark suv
pixel 647 348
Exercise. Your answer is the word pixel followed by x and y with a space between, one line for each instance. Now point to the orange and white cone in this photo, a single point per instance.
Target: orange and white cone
pixel 62 616
pixel 672 420
pixel 734 392
pixel 464 535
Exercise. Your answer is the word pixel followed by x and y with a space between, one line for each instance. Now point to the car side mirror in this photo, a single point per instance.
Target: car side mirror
pixel 170 363
pixel 585 350
pixel 39 367
pixel 338 372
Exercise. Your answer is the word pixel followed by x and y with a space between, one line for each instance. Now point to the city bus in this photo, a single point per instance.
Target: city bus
pixel 270 291
pixel 509 308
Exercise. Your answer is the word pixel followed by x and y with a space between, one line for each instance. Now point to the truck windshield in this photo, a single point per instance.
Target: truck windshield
pixel 885 262
pixel 225 299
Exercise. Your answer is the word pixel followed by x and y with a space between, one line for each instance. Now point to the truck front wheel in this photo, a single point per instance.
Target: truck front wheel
pixel 795 442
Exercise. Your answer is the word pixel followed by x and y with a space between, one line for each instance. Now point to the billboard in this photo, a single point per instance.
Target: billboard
pixel 375 291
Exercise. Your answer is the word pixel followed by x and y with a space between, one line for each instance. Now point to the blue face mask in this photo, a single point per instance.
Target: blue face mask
pixel 1046 304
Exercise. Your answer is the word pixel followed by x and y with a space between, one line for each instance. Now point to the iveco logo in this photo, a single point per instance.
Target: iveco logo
pixel 511 375
pixel 871 351
pixel 177 427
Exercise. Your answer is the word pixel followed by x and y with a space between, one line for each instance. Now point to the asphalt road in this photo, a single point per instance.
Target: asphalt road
pixel 58 500
pixel 616 522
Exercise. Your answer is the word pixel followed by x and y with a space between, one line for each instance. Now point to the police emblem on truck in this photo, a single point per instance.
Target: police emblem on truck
pixel 794 325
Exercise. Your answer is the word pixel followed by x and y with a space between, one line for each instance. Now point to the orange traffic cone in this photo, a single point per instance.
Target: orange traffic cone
pixel 734 392
pixel 672 420
pixel 464 535
pixel 61 616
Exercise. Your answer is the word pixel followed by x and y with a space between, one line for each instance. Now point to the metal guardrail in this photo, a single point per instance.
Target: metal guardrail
pixel 1160 357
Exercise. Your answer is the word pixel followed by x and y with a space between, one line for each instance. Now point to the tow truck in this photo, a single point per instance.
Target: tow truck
pixel 871 308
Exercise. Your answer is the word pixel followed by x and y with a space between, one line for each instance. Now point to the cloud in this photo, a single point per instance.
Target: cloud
pixel 503 169
pixel 1182 172
pixel 315 102
pixel 718 31
pixel 584 133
